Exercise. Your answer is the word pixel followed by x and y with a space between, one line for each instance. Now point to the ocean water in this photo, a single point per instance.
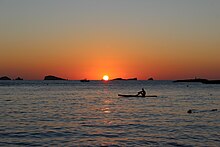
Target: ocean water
pixel 71 113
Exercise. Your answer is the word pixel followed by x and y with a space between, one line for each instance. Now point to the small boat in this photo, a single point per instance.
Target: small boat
pixel 126 95
pixel 84 80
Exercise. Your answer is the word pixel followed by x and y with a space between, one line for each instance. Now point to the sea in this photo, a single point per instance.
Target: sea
pixel 74 113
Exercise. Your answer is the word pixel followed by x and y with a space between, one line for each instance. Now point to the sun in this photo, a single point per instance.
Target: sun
pixel 105 77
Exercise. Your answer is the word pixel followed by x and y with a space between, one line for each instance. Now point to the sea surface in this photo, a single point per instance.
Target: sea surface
pixel 71 113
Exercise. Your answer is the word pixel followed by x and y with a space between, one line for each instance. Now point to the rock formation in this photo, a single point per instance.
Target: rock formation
pixel 5 78
pixel 19 79
pixel 204 81
pixel 150 79
pixel 121 79
pixel 50 77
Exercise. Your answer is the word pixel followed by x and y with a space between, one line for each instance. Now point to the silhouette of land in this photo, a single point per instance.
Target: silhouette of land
pixel 211 82
pixel 5 78
pixel 50 77
pixel 204 81
pixel 121 79
pixel 18 79
pixel 192 80
pixel 84 80
pixel 150 79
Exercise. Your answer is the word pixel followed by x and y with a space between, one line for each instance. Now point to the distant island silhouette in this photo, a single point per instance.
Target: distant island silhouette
pixel 121 79
pixel 211 82
pixel 50 77
pixel 5 78
pixel 84 80
pixel 18 79
pixel 204 81
pixel 150 79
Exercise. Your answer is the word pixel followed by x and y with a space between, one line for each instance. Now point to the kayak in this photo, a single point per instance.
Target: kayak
pixel 126 95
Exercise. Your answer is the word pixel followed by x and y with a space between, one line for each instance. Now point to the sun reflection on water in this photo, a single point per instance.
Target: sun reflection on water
pixel 106 110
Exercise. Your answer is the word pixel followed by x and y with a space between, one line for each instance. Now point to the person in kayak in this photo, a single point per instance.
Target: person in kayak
pixel 142 93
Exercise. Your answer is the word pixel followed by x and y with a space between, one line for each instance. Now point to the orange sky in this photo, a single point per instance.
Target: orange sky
pixel 77 40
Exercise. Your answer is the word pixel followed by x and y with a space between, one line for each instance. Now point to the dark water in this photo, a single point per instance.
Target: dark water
pixel 70 113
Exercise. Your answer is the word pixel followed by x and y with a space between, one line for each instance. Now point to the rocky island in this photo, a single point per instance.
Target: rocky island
pixel 211 82
pixel 191 80
pixel 50 77
pixel 5 78
pixel 121 79
pixel 204 81
pixel 84 80
pixel 150 79
pixel 18 79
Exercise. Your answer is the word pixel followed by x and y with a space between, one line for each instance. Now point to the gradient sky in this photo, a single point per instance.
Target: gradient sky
pixel 164 39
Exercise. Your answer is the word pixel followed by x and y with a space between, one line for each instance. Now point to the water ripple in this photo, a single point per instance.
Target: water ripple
pixel 70 113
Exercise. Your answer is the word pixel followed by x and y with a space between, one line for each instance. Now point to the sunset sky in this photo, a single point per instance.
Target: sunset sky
pixel 76 39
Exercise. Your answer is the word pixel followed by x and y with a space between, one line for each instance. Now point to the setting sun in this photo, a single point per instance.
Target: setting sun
pixel 105 78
